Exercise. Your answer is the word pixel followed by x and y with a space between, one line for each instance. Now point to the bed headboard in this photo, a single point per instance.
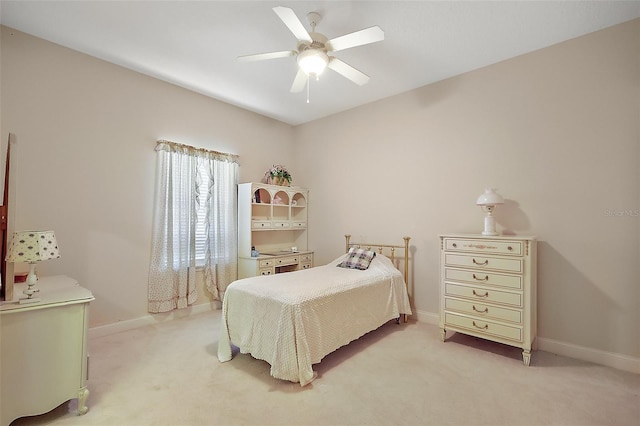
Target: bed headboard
pixel 380 248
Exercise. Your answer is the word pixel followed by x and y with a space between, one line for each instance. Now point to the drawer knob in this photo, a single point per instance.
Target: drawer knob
pixel 509 248
pixel 486 310
pixel 455 245
pixel 486 294
pixel 486 278
pixel 485 263
pixel 485 327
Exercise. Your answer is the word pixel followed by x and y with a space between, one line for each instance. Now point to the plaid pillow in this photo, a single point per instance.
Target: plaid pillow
pixel 357 259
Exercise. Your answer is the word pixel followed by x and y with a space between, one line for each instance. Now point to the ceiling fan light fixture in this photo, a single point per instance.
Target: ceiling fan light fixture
pixel 313 61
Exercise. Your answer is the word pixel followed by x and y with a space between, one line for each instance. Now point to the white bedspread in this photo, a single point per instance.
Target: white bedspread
pixel 293 320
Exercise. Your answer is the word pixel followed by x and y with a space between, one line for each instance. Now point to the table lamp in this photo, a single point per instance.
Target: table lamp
pixel 31 247
pixel 488 201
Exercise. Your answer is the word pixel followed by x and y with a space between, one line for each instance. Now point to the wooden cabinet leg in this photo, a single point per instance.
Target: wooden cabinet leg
pixel 443 334
pixel 526 357
pixel 83 394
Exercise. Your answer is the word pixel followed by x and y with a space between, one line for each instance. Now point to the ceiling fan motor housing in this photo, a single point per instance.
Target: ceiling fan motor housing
pixel 319 42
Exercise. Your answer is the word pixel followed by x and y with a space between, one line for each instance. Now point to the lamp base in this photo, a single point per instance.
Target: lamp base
pixel 26 300
pixel 489 225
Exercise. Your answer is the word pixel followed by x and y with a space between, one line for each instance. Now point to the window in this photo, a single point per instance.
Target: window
pixel 194 224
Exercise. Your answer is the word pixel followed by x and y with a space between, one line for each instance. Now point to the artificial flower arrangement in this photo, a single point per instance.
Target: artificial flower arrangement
pixel 278 175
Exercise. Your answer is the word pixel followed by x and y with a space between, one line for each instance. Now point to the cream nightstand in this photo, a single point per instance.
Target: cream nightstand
pixel 43 349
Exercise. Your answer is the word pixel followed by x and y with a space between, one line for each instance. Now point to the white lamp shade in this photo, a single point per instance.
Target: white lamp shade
pixel 33 246
pixel 313 61
pixel 489 198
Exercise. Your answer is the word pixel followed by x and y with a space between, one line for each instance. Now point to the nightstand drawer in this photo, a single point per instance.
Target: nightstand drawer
pixel 483 262
pixel 484 246
pixel 481 294
pixel 482 326
pixel 482 310
pixel 485 278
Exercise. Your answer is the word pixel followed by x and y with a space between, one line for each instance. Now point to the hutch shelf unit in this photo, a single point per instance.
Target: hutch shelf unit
pixel 273 219
pixel 44 358
pixel 488 288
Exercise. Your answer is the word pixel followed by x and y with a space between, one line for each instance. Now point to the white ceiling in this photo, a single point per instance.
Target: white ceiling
pixel 194 44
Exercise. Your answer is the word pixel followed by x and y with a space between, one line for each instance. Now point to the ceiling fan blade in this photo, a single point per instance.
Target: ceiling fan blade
pixel 348 71
pixel 358 38
pixel 299 82
pixel 290 19
pixel 263 56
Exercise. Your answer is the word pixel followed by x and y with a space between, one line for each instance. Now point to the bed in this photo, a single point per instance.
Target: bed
pixel 293 320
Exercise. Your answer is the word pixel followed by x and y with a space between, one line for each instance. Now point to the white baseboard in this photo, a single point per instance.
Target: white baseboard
pixel 117 327
pixel 427 317
pixel 609 359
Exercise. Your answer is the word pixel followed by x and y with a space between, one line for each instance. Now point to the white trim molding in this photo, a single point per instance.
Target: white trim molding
pixel 609 359
pixel 117 327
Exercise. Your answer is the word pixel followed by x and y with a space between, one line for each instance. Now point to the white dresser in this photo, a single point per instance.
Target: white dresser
pixel 488 288
pixel 43 349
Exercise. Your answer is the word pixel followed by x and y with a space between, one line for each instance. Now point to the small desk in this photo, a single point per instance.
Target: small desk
pixel 43 349
pixel 274 263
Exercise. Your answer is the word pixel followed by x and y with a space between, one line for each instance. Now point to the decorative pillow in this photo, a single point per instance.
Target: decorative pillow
pixel 357 259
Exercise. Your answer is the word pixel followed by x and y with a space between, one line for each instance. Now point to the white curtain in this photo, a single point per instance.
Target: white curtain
pixel 172 277
pixel 221 246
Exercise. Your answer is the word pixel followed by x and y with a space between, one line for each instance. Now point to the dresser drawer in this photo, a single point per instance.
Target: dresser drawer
pixel 484 246
pixel 482 326
pixel 298 224
pixel 483 262
pixel 483 294
pixel 481 310
pixel 305 266
pixel 485 278
pixel 266 271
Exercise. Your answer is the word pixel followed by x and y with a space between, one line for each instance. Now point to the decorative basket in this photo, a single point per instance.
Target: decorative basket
pixel 278 175
pixel 278 180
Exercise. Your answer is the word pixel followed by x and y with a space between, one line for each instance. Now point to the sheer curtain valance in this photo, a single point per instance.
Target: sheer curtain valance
pixel 194 224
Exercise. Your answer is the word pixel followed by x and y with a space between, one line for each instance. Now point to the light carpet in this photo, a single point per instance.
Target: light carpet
pixel 168 374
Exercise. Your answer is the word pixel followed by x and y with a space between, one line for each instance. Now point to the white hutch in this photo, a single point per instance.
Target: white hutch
pixel 273 219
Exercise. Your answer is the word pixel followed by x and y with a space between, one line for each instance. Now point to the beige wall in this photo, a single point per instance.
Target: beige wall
pixel 86 132
pixel 556 131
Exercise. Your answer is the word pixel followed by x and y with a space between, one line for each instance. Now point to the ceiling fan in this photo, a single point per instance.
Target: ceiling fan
pixel 313 48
